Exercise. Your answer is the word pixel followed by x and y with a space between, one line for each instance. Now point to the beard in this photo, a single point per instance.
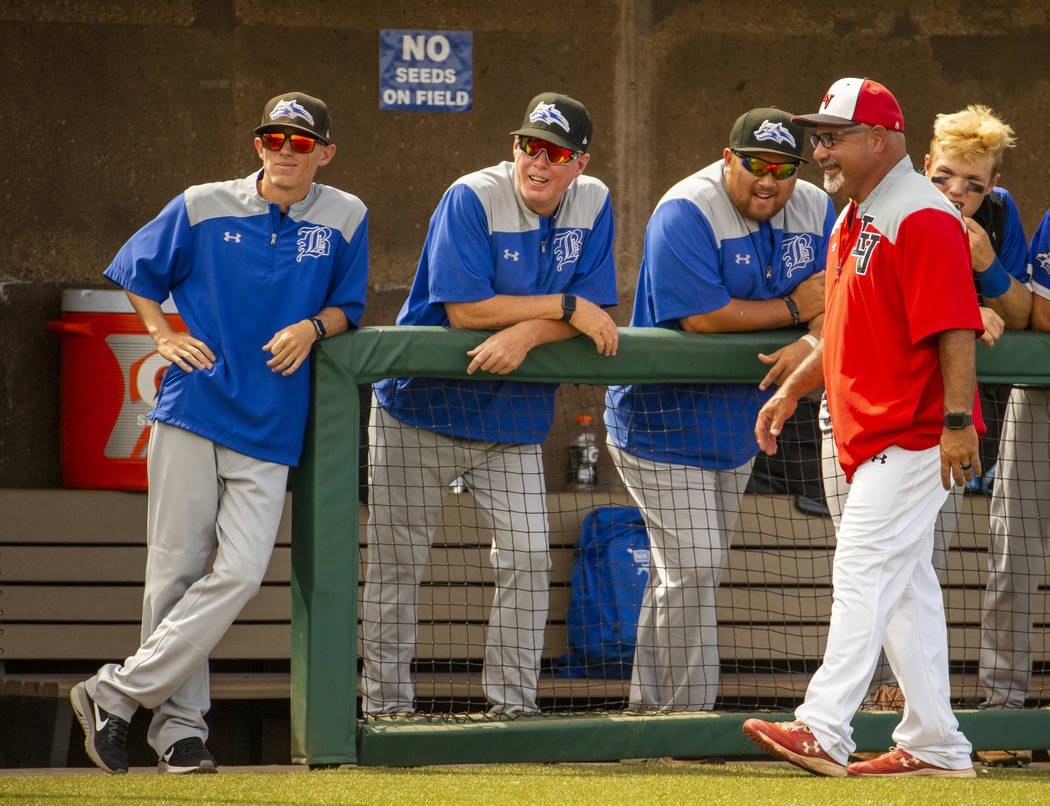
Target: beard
pixel 833 184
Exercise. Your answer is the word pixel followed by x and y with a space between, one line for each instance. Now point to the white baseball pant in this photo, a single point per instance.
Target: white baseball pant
pixel 835 492
pixel 886 595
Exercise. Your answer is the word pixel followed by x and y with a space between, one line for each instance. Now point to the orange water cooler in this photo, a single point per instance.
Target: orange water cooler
pixel 111 372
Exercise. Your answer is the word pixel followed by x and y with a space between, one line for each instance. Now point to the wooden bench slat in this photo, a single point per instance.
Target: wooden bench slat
pixel 454 604
pixel 98 564
pixel 109 603
pixel 224 686
pixel 100 517
pixel 113 642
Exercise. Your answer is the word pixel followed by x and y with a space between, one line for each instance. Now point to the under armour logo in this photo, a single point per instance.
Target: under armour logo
pixel 743 259
pixel 909 761
pixel 811 747
pixel 880 458
pixel 508 255
pixel 231 236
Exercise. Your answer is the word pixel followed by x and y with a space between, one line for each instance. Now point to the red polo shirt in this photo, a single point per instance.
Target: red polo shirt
pixel 898 273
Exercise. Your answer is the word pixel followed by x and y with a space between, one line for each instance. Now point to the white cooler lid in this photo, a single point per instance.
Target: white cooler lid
pixel 93 300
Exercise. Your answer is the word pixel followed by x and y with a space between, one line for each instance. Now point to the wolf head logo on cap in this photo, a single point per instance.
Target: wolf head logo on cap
pixel 548 113
pixel 291 109
pixel 774 132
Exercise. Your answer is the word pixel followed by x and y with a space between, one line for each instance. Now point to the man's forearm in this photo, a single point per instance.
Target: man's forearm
pixel 1015 306
pixel 151 314
pixel 808 375
pixel 739 316
pixel 503 310
pixel 958 369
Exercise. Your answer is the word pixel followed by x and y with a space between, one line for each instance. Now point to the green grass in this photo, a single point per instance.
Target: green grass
pixel 512 784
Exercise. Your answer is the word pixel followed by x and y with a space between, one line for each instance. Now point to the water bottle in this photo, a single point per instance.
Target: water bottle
pixel 583 455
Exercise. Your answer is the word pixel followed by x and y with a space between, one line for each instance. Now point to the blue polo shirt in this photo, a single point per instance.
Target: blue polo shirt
pixel 484 241
pixel 239 272
pixel 699 254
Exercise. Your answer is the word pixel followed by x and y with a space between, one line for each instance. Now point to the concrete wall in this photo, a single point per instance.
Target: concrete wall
pixel 111 109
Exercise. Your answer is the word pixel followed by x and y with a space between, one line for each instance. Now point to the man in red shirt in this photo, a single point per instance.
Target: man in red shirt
pixel 897 359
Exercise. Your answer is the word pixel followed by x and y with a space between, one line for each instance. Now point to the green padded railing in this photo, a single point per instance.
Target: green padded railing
pixel 325 545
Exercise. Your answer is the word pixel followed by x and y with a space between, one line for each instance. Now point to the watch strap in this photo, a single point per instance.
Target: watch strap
pixel 568 306
pixel 319 328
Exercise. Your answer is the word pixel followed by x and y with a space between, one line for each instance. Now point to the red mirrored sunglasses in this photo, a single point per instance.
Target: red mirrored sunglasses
pixel 301 143
pixel 556 155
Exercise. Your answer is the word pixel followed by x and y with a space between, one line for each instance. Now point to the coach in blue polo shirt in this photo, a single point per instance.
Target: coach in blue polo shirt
pixel 523 248
pixel 737 246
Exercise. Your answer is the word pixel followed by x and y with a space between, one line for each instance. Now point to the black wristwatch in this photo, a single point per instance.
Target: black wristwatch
pixel 957 420
pixel 568 306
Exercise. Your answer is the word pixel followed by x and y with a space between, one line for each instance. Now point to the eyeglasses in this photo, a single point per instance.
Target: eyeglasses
pixel 759 167
pixel 556 155
pixel 301 144
pixel 827 139
pixel 971 187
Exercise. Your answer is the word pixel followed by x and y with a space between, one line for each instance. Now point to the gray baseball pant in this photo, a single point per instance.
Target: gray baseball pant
pixel 1018 547
pixel 689 514
pixel 202 498
pixel 409 472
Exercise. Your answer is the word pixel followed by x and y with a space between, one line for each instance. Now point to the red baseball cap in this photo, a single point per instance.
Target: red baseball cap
pixel 856 100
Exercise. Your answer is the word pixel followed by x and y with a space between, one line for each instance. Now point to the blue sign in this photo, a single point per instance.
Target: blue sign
pixel 426 70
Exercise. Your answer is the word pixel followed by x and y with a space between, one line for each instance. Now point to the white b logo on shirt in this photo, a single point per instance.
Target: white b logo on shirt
pixel 567 247
pixel 314 242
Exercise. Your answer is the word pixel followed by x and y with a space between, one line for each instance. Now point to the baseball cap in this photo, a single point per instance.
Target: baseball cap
pixel 767 130
pixel 856 100
pixel 297 110
pixel 558 119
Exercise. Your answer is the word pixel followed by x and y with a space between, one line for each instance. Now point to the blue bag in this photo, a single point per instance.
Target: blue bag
pixel 608 579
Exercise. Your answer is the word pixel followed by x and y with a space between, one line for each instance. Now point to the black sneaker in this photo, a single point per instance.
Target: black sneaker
pixel 105 734
pixel 188 756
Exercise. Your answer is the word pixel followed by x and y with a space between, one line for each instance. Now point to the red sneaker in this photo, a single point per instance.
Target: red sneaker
pixel 900 763
pixel 794 742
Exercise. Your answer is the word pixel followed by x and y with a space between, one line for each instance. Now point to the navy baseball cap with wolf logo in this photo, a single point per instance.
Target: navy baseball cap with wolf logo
pixel 297 110
pixel 558 119
pixel 768 130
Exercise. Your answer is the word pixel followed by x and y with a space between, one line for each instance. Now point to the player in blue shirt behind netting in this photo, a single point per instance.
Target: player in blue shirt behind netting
pixel 737 246
pixel 523 248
